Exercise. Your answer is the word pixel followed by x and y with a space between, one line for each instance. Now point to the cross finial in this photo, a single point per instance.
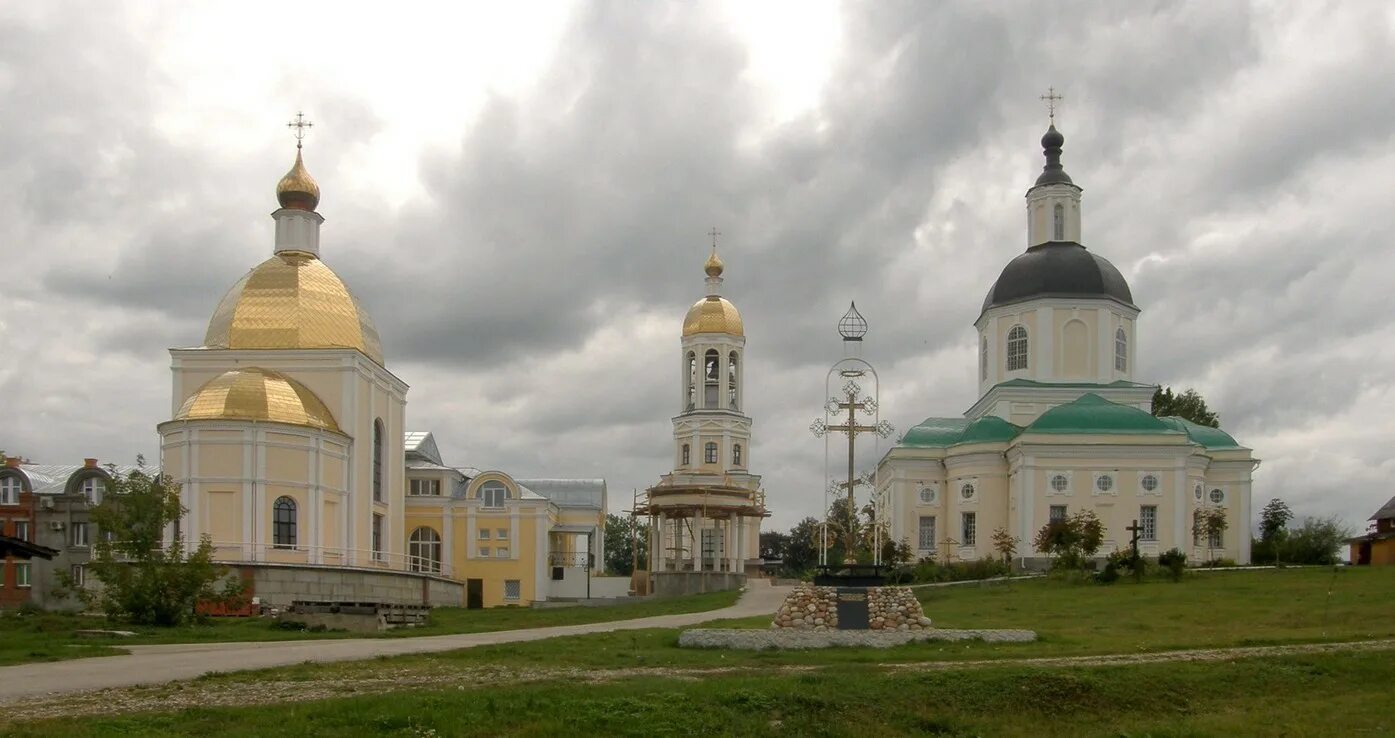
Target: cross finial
pixel 1051 97
pixel 714 233
pixel 300 126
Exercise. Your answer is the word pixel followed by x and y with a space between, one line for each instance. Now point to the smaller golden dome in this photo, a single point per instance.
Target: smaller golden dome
pixel 298 190
pixel 713 267
pixel 257 394
pixel 713 315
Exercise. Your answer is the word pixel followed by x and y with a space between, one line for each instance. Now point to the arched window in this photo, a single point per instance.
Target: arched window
pixel 711 368
pixel 92 489
pixel 709 453
pixel 983 358
pixel 1121 350
pixel 731 380
pixel 687 455
pixel 1017 348
pixel 493 494
pixel 10 487
pixel 736 454
pixel 378 461
pixel 1060 224
pixel 692 380
pixel 424 550
pixel 283 526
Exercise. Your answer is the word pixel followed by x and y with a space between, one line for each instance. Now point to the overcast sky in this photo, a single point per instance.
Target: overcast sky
pixel 519 195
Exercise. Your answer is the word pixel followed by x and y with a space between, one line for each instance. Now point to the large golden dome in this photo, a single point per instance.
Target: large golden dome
pixel 292 301
pixel 713 314
pixel 257 394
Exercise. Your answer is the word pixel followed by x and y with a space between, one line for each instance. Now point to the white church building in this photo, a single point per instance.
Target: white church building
pixel 1061 425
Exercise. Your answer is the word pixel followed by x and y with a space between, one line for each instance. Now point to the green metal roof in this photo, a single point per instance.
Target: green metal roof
pixel 1202 434
pixel 989 429
pixel 935 433
pixel 1092 414
pixel 1117 384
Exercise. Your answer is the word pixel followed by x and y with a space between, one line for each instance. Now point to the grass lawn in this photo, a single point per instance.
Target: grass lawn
pixel 1288 696
pixel 50 636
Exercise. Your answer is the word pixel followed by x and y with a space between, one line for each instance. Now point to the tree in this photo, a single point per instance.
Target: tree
pixel 626 538
pixel 1273 528
pixel 1210 524
pixel 1071 541
pixel 1005 544
pixel 144 578
pixel 1316 540
pixel 1188 405
pixel 802 551
pixel 774 545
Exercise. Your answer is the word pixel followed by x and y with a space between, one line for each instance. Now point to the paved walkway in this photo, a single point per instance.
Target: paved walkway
pixel 164 663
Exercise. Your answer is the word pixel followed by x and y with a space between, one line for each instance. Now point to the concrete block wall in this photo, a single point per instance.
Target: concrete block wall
pixel 280 584
pixel 670 583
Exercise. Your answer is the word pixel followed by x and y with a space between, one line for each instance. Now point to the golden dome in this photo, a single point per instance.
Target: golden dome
pixel 713 315
pixel 298 190
pixel 257 394
pixel 713 267
pixel 292 301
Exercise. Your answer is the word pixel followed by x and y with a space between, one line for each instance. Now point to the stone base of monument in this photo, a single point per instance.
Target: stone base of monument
pixel 811 607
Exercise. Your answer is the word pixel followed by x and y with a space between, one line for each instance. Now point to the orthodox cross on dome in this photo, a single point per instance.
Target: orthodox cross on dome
pixel 1051 97
pixel 300 127
pixel 714 233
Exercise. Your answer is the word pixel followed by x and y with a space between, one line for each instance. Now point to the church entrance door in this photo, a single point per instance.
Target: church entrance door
pixel 474 593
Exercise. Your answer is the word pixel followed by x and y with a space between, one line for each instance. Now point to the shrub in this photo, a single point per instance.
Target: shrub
pixel 1174 561
pixel 929 571
pixel 1072 541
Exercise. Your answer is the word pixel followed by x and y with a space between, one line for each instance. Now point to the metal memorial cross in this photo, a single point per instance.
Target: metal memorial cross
pixel 853 401
pixel 1134 530
pixel 299 128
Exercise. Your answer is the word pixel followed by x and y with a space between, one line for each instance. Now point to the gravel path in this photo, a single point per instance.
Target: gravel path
pixel 234 693
pixel 165 663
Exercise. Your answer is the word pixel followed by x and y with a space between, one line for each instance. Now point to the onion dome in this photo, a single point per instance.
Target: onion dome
pixel 852 326
pixel 257 394
pixel 713 314
pixel 1053 172
pixel 1058 269
pixel 292 301
pixel 298 190
pixel 714 266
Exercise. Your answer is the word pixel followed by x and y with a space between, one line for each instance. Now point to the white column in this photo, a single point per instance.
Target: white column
pixel 1046 340
pixel 697 542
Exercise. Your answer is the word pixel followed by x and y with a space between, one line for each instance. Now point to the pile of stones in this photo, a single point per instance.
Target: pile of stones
pixel 816 608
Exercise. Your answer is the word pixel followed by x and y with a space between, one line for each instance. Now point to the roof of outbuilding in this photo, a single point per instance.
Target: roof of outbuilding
pixel 52 479
pixel 582 493
pixel 1386 512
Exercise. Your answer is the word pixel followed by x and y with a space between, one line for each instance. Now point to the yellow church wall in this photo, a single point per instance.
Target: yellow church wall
pixel 984 467
pixel 287 464
pixel 222 513
pixel 331 530
pixel 219 460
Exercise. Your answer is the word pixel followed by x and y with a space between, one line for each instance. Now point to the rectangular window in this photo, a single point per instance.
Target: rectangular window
pixel 927 533
pixel 79 573
pixel 80 535
pixel 709 453
pixel 502 534
pixel 484 534
pixel 377 537
pixel 1058 514
pixel 1217 539
pixel 424 488
pixel 21 575
pixel 1148 521
pixel 22 530
pixel 970 536
pixel 513 590
pixel 10 487
pixel 502 552
pixel 484 552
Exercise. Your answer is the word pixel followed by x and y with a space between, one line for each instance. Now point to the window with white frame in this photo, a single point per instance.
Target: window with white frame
pixel 424 550
pixel 21 575
pixel 378 460
pixel 967 491
pixel 283 523
pixel 513 590
pixel 1060 483
pixel 424 487
pixel 1196 524
pixel 501 534
pixel 1121 350
pixel 1149 482
pixel 927 533
pixel 1057 514
pixel 969 534
pixel 709 453
pixel 22 530
pixel 484 534
pixel 1148 521
pixel 493 494
pixel 1217 539
pixel 502 552
pixel 983 358
pixel 736 454
pixel 79 535
pixel 927 495
pixel 1217 497
pixel 1198 493
pixel 687 455
pixel 1017 348
pixel 376 538
pixel 1059 222
pixel 1104 482
pixel 484 552
pixel 92 488
pixel 78 572
pixel 10 487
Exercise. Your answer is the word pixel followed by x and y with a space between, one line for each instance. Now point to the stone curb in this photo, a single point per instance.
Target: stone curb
pixel 779 638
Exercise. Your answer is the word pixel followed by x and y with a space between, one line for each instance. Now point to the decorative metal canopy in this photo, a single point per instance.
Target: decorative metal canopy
pixel 852 327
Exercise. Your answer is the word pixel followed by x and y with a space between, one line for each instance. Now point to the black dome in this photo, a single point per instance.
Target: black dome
pixel 1058 269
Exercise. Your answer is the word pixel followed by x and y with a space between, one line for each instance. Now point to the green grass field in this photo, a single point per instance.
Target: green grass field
pixel 640 683
pixel 50 636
